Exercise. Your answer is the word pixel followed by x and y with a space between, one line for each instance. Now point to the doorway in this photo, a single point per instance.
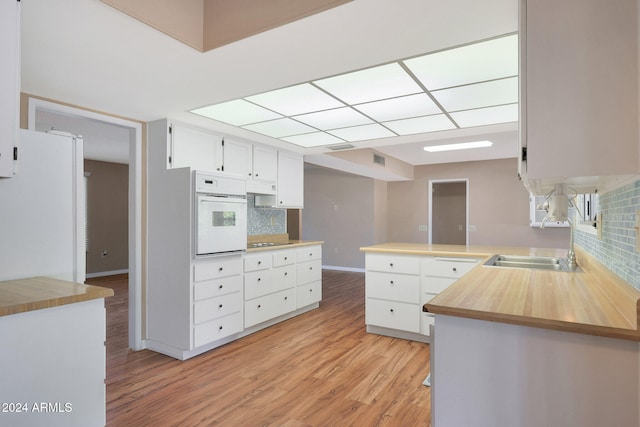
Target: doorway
pixel 133 148
pixel 448 212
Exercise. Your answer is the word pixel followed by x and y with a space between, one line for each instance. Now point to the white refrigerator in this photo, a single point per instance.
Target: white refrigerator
pixel 42 210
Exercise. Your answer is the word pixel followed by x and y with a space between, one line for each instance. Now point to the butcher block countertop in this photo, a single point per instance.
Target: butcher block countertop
pixel 23 295
pixel 591 300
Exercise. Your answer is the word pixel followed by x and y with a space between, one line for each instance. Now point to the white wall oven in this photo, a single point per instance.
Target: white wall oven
pixel 220 214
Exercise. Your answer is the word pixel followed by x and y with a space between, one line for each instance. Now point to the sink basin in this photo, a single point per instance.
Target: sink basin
pixel 534 262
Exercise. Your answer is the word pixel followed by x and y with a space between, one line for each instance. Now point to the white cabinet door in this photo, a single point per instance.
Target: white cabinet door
pixel 265 163
pixel 195 149
pixel 9 84
pixel 237 157
pixel 290 180
pixel 579 90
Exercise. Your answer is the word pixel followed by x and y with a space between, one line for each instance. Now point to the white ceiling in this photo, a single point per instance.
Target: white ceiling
pixel 86 53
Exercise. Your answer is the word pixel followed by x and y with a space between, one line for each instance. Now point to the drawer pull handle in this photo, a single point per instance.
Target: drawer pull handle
pixel 286 258
pixel 391 310
pixel 286 272
pixel 455 269
pixel 220 287
pixel 390 264
pixel 391 281
pixel 285 298
pixel 220 327
pixel 220 269
pixel 220 306
pixel 259 306
pixel 259 279
pixel 310 290
pixel 259 262
pixel 310 268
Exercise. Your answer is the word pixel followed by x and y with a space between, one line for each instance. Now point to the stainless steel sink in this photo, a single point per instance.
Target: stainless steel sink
pixel 534 262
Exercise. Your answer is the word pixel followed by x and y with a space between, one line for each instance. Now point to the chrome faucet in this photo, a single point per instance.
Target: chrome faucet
pixel 559 212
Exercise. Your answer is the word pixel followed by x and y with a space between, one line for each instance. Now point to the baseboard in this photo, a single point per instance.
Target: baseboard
pixel 106 273
pixel 335 267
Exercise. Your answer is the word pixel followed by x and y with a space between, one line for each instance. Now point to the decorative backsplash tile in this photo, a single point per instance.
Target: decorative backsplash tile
pixel 264 220
pixel 617 250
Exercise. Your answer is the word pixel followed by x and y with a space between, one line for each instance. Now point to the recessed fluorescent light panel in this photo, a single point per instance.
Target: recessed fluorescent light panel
pixel 459 146
pixel 467 86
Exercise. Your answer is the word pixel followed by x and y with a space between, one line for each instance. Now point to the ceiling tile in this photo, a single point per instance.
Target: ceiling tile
pixel 486 116
pixel 420 124
pixel 362 133
pixel 237 112
pixel 400 108
pixel 334 119
pixel 280 127
pixel 489 60
pixel 372 84
pixel 487 94
pixel 293 100
pixel 315 139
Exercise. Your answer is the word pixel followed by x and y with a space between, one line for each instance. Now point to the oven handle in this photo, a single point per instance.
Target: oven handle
pixel 218 199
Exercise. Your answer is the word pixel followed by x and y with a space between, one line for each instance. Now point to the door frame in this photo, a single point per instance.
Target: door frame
pixel 440 181
pixel 135 204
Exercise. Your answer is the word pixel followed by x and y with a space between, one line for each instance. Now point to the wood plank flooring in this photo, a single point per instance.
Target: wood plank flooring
pixel 318 369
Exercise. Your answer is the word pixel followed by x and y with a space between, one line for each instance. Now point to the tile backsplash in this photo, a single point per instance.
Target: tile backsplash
pixel 264 220
pixel 617 250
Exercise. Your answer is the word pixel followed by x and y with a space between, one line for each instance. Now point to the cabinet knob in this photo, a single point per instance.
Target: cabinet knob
pixel 390 264
pixel 391 281
pixel 249 173
pixel 311 290
pixel 259 306
pixel 259 279
pixel 220 287
pixel 220 269
pixel 259 262
pixel 220 327
pixel 286 298
pixel 220 306
pixel 455 269
pixel 286 272
pixel 310 268
pixel 256 174
pixel 391 310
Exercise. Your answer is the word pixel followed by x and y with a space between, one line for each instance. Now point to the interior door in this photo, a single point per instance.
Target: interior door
pixel 449 213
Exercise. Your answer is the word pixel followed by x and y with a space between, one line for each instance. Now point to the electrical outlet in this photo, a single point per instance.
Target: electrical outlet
pixel 472 227
pixel 637 228
pixel 422 227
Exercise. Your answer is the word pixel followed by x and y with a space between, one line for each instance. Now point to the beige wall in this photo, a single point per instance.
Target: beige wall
pixel 498 205
pixel 342 210
pixel 449 213
pixel 107 215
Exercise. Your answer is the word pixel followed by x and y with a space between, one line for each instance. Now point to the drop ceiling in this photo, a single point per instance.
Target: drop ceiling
pixel 88 54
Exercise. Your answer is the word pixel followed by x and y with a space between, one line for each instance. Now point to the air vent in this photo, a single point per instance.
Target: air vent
pixel 378 159
pixel 341 147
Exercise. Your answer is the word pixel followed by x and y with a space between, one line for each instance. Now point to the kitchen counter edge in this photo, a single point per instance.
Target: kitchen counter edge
pixel 289 244
pixel 612 304
pixel 36 293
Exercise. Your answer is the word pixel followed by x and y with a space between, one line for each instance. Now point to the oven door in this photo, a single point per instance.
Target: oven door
pixel 221 224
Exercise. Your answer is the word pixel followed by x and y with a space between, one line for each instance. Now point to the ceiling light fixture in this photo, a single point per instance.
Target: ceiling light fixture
pixel 459 146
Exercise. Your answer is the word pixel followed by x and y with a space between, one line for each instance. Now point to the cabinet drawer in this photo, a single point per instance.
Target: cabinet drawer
pixel 281 258
pixel 308 293
pixel 394 315
pixel 217 287
pixel 255 262
pixel 259 283
pixel 448 267
pixel 208 332
pixel 427 320
pixel 435 285
pixel 217 267
pixel 395 287
pixel 309 271
pixel 309 253
pixel 268 307
pixel 213 308
pixel 392 263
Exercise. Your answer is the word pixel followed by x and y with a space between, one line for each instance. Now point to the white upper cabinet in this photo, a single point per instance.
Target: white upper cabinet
pixel 194 148
pixel 9 84
pixel 290 180
pixel 237 158
pixel 578 92
pixel 265 170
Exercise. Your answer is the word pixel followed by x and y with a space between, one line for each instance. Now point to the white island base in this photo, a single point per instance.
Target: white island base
pixel 488 374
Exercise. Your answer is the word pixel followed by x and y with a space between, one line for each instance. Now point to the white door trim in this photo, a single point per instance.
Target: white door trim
pixel 438 181
pixel 135 205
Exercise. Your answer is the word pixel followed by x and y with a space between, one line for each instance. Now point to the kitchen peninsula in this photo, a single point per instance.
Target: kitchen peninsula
pixel 53 353
pixel 529 347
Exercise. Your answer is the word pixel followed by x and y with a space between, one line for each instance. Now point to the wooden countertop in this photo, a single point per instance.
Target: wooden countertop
pixel 591 300
pixel 281 241
pixel 22 295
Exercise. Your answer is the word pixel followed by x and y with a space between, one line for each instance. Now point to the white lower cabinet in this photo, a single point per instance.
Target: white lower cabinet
pixel 217 299
pixel 281 282
pixel 397 286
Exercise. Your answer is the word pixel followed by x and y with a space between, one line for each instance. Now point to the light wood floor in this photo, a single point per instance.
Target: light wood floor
pixel 318 369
